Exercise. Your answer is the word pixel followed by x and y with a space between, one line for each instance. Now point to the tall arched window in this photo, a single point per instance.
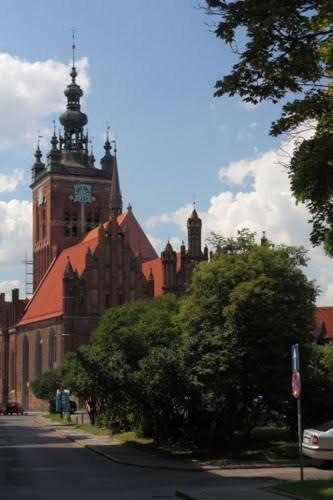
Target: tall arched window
pixel 25 373
pixel 89 223
pixel 39 355
pixel 97 217
pixel 66 224
pixel 53 350
pixel 74 224
pixel 12 371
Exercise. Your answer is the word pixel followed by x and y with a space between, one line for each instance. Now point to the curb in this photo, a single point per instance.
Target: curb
pixel 265 465
pixel 281 493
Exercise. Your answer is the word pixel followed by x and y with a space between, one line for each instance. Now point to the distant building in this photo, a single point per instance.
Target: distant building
pixel 323 332
pixel 88 255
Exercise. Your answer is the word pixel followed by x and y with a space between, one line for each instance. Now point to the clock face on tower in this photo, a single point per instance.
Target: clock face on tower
pixel 82 193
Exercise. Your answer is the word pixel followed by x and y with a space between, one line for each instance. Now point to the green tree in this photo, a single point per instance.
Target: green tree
pixel 82 372
pixel 284 48
pixel 243 313
pixel 137 354
pixel 46 385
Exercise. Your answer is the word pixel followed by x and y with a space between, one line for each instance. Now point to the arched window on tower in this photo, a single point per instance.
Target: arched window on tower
pixel 74 224
pixel 39 355
pixel 53 350
pixel 37 224
pixel 43 221
pixel 89 224
pixel 97 217
pixel 66 224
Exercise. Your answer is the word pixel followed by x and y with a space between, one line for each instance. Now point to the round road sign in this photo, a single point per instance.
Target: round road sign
pixel 296 384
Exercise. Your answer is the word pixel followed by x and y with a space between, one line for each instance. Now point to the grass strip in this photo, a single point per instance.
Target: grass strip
pixel 319 489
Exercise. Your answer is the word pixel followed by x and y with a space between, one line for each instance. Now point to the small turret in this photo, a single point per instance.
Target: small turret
pixel 54 155
pixel 107 160
pixel 169 264
pixel 194 235
pixel 38 166
pixel 151 284
pixel 116 203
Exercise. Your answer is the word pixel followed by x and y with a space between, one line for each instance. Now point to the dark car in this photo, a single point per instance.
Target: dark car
pixel 2 409
pixel 14 407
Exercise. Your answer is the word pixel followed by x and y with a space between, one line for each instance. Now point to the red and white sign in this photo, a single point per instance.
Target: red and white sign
pixel 296 384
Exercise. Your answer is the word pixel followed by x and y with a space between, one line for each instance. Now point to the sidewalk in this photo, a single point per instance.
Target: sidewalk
pixel 130 455
pixel 255 478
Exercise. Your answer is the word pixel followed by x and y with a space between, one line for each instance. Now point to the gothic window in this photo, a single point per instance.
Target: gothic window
pixel 25 364
pixel 53 350
pixel 66 224
pixel 37 224
pixel 12 370
pixel 107 300
pixel 39 355
pixel 97 217
pixel 74 224
pixel 89 224
pixel 43 221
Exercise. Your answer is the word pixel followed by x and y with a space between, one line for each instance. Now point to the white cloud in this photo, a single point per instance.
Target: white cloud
pixel 9 182
pixel 15 231
pixel 267 204
pixel 156 242
pixel 29 92
pixel 6 287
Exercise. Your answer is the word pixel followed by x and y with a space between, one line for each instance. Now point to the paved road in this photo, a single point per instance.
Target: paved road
pixel 38 464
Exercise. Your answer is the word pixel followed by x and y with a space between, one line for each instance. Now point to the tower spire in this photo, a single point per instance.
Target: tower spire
pixel 74 141
pixel 73 46
pixel 116 204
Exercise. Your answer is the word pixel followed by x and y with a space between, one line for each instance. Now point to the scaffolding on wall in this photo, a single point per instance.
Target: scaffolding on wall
pixel 28 272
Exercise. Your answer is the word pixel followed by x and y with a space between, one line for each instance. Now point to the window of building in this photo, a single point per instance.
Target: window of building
pixel 66 224
pixel 97 217
pixel 89 223
pixel 39 355
pixel 74 224
pixel 53 350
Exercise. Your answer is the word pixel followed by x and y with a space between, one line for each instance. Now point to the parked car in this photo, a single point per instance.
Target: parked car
pixel 2 409
pixel 318 442
pixel 14 407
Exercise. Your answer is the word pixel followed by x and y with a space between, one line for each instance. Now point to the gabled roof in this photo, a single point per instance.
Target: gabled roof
pixel 47 301
pixel 324 322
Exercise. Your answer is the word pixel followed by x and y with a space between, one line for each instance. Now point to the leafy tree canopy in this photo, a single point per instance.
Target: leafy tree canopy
pixel 286 47
pixel 243 313
pixel 46 385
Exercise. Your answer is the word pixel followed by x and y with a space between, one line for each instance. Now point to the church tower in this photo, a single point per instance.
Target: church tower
pixel 70 195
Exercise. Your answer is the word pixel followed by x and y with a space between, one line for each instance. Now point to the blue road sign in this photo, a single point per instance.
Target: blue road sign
pixel 295 358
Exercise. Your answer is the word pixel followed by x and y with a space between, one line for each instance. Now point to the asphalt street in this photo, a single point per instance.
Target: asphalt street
pixel 36 463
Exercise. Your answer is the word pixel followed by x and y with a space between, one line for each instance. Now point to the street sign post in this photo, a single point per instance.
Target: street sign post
pixel 296 385
pixel 296 389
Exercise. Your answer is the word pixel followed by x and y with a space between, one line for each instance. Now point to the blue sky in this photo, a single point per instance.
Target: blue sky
pixel 150 66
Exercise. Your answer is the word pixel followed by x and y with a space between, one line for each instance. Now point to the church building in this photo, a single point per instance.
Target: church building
pixel 89 254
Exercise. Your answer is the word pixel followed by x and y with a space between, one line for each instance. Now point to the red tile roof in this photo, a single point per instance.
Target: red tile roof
pixel 156 267
pixel 47 301
pixel 324 317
